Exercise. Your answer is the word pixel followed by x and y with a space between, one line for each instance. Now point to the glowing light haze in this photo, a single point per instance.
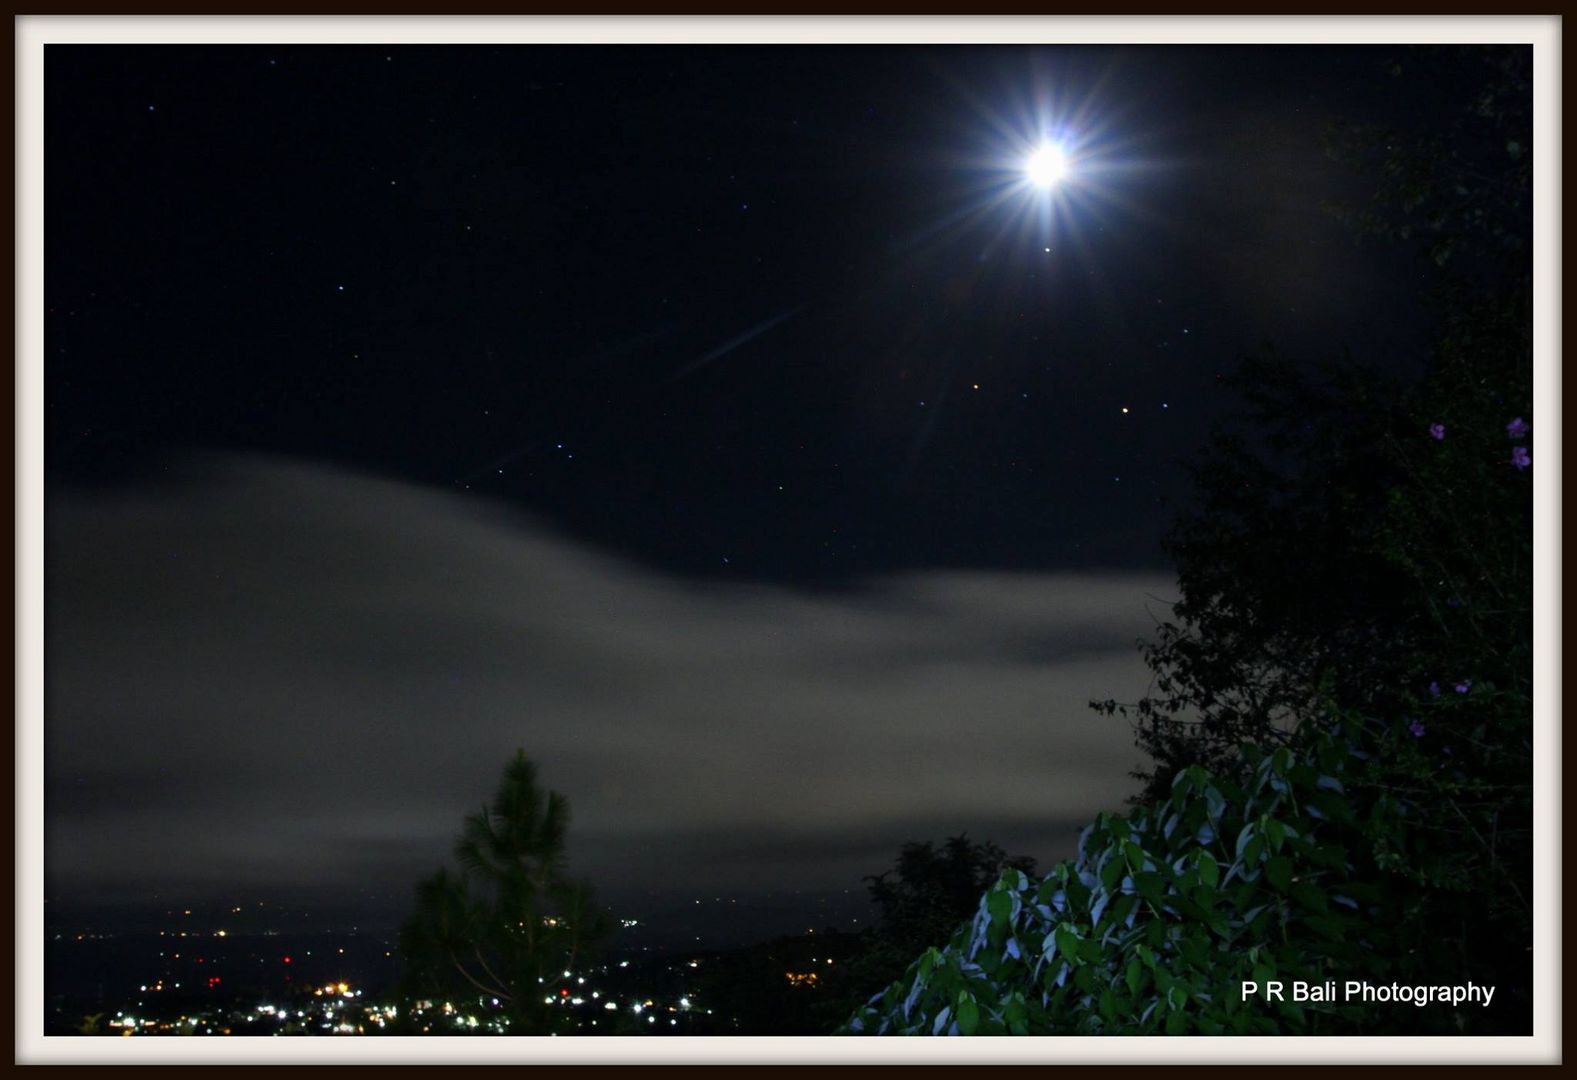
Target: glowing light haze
pixel 1046 167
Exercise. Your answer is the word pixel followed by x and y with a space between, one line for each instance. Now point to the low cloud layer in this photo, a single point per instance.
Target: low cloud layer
pixel 272 675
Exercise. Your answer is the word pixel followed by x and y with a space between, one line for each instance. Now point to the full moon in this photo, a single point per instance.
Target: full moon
pixel 1046 166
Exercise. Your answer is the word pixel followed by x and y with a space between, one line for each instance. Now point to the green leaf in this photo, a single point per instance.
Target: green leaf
pixel 1068 943
pixel 1252 852
pixel 999 905
pixel 1215 802
pixel 968 1014
pixel 1163 979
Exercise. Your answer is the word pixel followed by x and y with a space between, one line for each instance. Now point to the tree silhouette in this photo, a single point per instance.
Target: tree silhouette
pixel 922 898
pixel 919 902
pixel 1354 535
pixel 1360 555
pixel 511 925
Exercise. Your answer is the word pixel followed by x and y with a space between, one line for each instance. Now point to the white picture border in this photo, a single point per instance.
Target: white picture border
pixel 33 33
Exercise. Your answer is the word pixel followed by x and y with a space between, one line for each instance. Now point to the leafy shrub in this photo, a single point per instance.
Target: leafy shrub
pixel 1164 913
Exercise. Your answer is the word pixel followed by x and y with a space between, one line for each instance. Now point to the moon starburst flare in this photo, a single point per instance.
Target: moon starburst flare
pixel 1046 167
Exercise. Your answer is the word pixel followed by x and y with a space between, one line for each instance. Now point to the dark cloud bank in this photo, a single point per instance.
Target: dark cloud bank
pixel 266 675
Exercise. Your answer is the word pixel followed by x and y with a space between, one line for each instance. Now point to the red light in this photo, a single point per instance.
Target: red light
pixel 287 959
pixel 563 993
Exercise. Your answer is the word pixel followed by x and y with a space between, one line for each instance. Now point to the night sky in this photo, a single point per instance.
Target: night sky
pixel 733 428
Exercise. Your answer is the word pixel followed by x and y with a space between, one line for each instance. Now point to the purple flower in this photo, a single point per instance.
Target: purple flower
pixel 1464 686
pixel 1517 428
pixel 1437 431
pixel 1520 457
pixel 1416 729
pixel 1434 689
